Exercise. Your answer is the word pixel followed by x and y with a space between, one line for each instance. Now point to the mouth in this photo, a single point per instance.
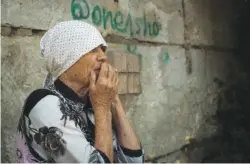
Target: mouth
pixel 97 69
pixel 97 72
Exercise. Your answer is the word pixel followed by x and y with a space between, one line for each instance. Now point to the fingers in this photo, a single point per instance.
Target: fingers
pixel 92 80
pixel 104 70
pixel 110 72
pixel 117 80
pixel 112 75
pixel 115 77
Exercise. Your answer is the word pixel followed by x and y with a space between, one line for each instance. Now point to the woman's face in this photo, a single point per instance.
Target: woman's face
pixel 80 71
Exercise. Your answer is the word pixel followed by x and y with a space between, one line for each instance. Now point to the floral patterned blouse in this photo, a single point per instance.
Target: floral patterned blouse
pixel 56 126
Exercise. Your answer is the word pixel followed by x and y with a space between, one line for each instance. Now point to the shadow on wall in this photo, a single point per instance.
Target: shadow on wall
pixel 231 143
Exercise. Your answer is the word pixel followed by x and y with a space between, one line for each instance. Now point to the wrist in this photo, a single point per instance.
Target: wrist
pixel 117 110
pixel 101 103
pixel 102 114
pixel 102 107
pixel 116 100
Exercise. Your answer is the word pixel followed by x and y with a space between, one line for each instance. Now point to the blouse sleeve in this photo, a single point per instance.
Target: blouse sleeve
pixel 125 155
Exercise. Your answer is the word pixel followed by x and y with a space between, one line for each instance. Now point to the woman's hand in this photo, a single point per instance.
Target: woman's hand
pixel 104 89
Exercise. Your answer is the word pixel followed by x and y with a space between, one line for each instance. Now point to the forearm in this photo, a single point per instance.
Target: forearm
pixel 125 133
pixel 103 132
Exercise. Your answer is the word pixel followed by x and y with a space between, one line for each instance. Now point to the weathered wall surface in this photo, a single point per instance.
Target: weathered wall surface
pixel 126 18
pixel 184 45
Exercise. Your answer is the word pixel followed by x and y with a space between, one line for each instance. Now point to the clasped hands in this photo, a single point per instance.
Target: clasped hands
pixel 103 90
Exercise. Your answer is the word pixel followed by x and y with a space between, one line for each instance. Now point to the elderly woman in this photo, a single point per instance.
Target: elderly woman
pixel 77 116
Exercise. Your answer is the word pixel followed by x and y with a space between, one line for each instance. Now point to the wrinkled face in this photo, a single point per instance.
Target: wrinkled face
pixel 80 71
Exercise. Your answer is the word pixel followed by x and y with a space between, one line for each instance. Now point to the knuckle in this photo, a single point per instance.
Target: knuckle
pixel 102 81
pixel 109 86
pixel 102 84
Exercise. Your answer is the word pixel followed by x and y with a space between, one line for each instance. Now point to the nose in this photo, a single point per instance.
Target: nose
pixel 102 58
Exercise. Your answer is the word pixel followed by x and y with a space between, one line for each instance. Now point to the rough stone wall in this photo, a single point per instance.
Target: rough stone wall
pixel 185 45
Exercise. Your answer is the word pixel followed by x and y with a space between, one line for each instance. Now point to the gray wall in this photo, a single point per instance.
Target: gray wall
pixel 191 44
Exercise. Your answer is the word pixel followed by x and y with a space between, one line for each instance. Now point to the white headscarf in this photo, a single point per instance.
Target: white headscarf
pixel 64 44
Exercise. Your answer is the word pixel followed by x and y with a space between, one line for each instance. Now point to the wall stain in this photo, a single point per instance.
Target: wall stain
pixel 188 63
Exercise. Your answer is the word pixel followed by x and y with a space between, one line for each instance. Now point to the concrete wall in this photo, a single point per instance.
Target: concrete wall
pixel 184 45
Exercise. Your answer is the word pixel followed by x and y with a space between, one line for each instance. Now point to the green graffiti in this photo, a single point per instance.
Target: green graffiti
pixel 96 15
pixel 119 22
pixel 107 15
pixel 77 10
pixel 132 48
pixel 126 24
pixel 138 22
pixel 166 58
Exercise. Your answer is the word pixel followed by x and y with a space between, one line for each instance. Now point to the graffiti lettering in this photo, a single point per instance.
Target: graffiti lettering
pixel 166 58
pixel 126 24
pixel 132 48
